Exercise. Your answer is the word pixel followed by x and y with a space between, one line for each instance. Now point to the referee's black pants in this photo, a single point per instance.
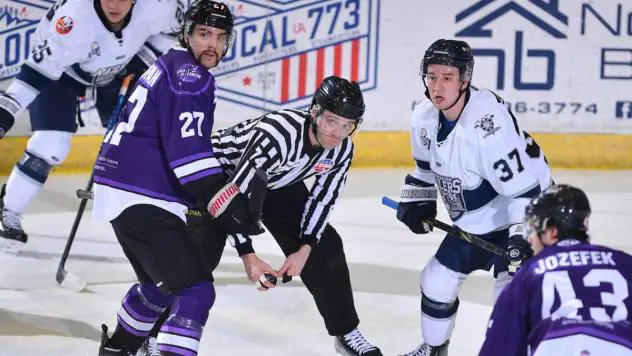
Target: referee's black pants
pixel 325 274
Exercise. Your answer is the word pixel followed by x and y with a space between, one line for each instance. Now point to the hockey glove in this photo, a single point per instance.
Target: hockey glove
pixel 197 218
pixel 518 249
pixel 8 110
pixel 417 205
pixel 230 208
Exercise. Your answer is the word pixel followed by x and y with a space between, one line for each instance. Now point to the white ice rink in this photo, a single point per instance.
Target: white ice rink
pixel 39 318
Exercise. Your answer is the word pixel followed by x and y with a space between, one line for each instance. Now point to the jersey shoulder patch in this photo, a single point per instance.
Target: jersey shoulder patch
pixel 72 21
pixel 186 76
pixel 485 117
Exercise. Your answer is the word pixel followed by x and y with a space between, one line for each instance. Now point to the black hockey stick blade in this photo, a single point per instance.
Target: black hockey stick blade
pixel 470 238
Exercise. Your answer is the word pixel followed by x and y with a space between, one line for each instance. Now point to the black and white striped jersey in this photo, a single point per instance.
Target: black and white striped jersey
pixel 278 143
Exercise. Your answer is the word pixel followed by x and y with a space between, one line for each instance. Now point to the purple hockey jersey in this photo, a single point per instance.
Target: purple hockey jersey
pixel 162 138
pixel 570 289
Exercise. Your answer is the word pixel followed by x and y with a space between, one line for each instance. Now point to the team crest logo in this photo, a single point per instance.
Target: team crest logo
pixel 423 136
pixel 95 49
pixel 283 49
pixel 486 124
pixel 64 25
pixel 323 165
pixel 451 190
pixel 188 73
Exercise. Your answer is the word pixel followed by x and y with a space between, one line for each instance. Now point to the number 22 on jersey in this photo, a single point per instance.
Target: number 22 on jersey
pixel 139 98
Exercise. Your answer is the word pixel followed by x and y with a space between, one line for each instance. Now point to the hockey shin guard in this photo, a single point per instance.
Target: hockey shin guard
pixel 139 311
pixel 181 332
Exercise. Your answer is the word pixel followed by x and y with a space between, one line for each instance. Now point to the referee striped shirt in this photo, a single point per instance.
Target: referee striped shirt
pixel 279 144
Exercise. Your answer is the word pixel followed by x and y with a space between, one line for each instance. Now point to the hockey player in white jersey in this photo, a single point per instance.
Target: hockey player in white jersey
pixel 80 45
pixel 469 147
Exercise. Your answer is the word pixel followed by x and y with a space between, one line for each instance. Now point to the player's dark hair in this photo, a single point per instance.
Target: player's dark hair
pixel 563 206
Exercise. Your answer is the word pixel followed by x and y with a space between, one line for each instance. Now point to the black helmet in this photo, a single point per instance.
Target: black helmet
pixel 209 13
pixel 339 96
pixel 450 53
pixel 562 206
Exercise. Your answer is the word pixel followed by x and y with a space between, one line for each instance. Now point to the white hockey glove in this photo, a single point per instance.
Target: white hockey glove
pixel 518 249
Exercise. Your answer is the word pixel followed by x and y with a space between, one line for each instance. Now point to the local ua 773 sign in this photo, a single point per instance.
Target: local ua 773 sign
pixel 282 50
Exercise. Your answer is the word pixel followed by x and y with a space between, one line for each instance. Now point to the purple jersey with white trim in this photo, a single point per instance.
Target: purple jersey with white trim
pixel 569 289
pixel 161 141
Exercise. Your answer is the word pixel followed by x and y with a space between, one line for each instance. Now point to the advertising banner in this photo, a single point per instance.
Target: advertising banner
pixel 562 65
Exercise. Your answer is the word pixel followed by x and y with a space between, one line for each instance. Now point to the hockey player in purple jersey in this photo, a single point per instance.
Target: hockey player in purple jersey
pixel 155 164
pixel 572 297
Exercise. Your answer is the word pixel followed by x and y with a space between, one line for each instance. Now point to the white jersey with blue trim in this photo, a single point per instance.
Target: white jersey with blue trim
pixel 72 38
pixel 486 169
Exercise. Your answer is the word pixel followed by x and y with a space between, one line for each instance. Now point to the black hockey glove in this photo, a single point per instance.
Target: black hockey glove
pixel 197 218
pixel 230 208
pixel 417 205
pixel 8 110
pixel 416 214
pixel 518 249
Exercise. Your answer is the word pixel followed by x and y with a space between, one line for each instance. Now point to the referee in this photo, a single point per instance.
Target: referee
pixel 291 146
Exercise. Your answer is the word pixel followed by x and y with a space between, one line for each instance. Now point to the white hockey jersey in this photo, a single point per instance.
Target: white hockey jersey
pixel 486 169
pixel 72 38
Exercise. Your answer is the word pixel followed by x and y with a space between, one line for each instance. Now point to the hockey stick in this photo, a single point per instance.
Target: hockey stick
pixel 66 279
pixel 473 239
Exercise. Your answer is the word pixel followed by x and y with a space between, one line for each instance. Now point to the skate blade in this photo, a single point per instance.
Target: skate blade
pixel 340 350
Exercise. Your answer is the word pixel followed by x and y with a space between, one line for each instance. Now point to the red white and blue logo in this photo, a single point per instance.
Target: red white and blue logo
pixel 283 49
pixel 323 165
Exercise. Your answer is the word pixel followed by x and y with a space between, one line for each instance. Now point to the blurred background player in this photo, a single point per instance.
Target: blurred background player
pixel 572 297
pixel 155 164
pixel 468 145
pixel 288 147
pixel 80 45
